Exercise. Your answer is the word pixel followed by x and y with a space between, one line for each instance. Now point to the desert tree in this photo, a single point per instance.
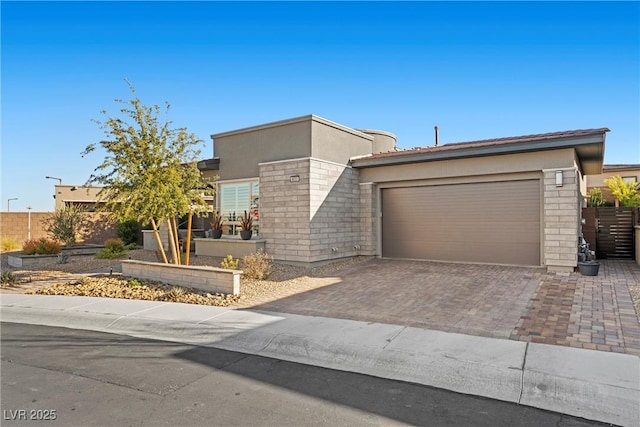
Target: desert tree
pixel 150 171
pixel 65 224
pixel 625 192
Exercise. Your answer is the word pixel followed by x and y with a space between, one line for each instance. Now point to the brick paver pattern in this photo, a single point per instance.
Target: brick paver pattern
pixel 519 303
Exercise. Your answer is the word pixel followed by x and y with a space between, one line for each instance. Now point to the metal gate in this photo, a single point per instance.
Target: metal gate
pixel 614 233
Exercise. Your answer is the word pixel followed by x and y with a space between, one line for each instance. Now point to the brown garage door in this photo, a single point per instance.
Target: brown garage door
pixel 492 222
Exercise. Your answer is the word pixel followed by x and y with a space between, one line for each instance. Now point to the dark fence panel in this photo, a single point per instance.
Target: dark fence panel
pixel 615 236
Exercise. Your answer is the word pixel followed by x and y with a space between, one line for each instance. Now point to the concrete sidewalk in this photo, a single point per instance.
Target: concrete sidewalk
pixel 591 384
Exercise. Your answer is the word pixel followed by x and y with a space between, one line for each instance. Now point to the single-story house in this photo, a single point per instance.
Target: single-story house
pixel 321 191
pixel 628 172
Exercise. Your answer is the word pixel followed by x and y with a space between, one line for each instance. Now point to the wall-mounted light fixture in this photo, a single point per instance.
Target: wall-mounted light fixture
pixel 558 178
pixel 294 178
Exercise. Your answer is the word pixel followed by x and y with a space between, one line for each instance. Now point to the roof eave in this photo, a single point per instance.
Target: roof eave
pixel 591 159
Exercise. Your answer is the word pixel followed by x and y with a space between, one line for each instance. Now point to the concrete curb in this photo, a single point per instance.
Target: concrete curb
pixel 585 383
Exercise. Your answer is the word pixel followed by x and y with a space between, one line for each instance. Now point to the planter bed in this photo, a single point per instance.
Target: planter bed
pixel 223 247
pixel 82 249
pixel 209 279
pixel 21 260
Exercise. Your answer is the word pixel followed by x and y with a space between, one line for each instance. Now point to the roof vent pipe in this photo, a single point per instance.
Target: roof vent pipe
pixel 437 135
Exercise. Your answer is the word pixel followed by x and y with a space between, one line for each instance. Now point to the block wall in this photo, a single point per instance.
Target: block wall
pixel 335 227
pixel 209 279
pixel 284 209
pixel 15 225
pixel 311 211
pixel 561 220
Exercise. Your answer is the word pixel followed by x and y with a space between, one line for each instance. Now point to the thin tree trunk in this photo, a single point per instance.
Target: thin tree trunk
pixel 177 237
pixel 188 245
pixel 172 242
pixel 159 241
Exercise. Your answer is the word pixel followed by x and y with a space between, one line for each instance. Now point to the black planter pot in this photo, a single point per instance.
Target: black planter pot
pixel 588 268
pixel 216 234
pixel 246 234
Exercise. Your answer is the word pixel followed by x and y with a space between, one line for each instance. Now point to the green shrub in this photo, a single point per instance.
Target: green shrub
pixel 595 198
pixel 113 248
pixel 64 224
pixel 174 294
pixel 128 231
pixel 6 277
pixel 9 244
pixel 114 245
pixel 134 283
pixel 257 265
pixel 41 247
pixel 229 263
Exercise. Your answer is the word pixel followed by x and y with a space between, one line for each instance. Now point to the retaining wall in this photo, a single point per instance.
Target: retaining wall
pixel 209 279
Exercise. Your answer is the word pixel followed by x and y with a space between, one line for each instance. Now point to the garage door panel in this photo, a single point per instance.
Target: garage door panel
pixel 493 222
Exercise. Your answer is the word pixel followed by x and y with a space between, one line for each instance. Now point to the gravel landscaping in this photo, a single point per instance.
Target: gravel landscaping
pixel 71 279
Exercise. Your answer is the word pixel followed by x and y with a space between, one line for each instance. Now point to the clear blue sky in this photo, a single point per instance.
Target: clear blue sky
pixel 477 70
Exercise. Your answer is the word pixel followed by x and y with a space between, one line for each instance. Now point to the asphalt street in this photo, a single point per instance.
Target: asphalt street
pixel 68 377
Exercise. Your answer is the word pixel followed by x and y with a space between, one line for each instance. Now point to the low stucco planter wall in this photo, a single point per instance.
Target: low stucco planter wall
pixel 22 260
pixel 209 279
pixel 223 247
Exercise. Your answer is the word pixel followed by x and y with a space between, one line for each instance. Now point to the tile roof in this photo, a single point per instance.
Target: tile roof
pixel 610 168
pixel 492 142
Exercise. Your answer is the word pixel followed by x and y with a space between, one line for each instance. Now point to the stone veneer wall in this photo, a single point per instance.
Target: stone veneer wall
pixel 284 209
pixel 315 219
pixel 335 227
pixel 561 220
pixel 208 279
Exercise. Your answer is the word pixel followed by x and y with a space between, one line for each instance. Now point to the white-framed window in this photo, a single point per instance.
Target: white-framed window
pixel 235 198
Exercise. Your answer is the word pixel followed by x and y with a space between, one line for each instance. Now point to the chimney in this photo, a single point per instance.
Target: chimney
pixel 437 135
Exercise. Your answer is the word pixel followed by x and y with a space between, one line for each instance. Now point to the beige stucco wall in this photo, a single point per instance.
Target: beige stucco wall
pixel 598 180
pixel 336 143
pixel 75 193
pixel 485 166
pixel 241 151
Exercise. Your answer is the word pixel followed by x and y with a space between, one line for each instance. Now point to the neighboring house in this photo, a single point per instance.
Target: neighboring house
pixel 323 191
pixel 629 173
pixel 78 195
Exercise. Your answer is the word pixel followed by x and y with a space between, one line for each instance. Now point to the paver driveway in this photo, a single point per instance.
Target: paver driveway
pixel 520 303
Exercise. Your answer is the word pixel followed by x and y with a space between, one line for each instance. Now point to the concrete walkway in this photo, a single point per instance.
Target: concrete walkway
pixel 598 385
